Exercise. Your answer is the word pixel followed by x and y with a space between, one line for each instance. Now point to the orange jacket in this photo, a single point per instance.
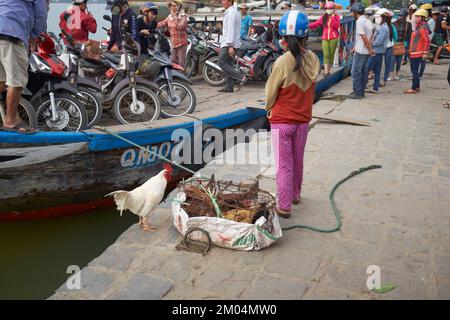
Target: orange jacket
pixel 290 94
pixel 420 41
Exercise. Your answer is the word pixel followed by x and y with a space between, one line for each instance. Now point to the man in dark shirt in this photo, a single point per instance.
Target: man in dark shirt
pixel 147 24
pixel 122 17
pixel 439 33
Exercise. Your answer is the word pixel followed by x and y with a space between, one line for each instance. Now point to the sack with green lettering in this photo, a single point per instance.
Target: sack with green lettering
pixel 228 233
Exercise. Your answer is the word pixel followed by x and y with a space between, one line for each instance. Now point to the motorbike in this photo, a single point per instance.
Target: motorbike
pixel 445 54
pixel 198 50
pixel 255 59
pixel 174 88
pixel 132 97
pixel 58 104
pixel 87 87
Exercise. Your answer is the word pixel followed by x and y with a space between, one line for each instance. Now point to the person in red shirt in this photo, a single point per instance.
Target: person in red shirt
pixel 289 98
pixel 330 23
pixel 418 48
pixel 77 21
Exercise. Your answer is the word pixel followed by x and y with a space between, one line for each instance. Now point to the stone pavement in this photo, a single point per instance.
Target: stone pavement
pixel 397 217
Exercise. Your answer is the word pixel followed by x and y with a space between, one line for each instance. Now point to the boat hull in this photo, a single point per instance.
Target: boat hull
pixel 67 179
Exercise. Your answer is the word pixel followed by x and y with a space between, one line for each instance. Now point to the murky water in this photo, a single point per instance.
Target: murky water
pixel 34 255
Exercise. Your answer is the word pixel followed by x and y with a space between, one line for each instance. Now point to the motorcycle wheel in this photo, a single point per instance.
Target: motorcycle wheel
pixel 71 114
pixel 93 106
pixel 213 77
pixel 182 89
pixel 148 108
pixel 26 113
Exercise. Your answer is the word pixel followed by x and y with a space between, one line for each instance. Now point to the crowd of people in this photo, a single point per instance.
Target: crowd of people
pixel 380 41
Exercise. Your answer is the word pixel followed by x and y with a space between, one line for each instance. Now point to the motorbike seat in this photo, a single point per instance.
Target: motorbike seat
pixel 112 57
pixel 250 45
pixel 93 64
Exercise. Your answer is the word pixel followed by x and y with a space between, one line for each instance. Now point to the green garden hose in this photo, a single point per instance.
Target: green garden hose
pixel 333 204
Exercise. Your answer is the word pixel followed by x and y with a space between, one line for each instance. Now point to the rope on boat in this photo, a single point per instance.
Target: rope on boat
pixel 196 175
pixel 118 136
pixel 336 211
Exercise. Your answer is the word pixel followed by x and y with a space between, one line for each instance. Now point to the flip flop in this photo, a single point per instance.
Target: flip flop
pixel 21 127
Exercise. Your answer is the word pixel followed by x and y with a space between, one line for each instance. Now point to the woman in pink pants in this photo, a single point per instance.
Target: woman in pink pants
pixel 290 96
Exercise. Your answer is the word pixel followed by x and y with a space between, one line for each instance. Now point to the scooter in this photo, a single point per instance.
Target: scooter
pixel 175 92
pixel 445 54
pixel 58 104
pixel 257 66
pixel 132 97
pixel 87 87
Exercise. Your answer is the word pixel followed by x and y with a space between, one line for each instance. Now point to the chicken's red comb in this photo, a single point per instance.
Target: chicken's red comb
pixel 168 167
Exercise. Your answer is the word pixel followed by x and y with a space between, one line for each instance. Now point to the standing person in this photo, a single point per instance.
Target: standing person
pixel 411 19
pixel 78 21
pixel 122 17
pixel 440 33
pixel 177 24
pixel 330 23
pixel 147 25
pixel 362 51
pixel 229 43
pixel 389 55
pixel 246 21
pixel 431 24
pixel 418 48
pixel 404 30
pixel 379 45
pixel 289 98
pixel 20 20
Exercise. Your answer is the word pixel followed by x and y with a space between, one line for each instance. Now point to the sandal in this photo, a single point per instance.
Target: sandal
pixel 410 91
pixel 282 213
pixel 446 104
pixel 295 202
pixel 21 127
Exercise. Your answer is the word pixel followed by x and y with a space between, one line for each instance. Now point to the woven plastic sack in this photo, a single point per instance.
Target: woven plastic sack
pixel 227 233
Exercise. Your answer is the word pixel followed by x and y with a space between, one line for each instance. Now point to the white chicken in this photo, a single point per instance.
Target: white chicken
pixel 143 200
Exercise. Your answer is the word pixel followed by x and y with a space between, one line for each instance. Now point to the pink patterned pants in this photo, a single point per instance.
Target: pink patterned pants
pixel 288 143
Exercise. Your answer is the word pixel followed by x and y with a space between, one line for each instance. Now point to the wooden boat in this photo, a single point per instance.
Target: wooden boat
pixel 50 174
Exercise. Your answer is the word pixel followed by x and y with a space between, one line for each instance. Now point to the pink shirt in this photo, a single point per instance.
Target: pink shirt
pixel 331 29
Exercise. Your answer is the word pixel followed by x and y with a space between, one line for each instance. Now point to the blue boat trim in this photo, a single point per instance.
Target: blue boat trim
pixel 102 142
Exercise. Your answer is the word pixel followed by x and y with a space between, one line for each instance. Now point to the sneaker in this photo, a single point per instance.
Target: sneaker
pixel 389 79
pixel 354 96
pixel 396 78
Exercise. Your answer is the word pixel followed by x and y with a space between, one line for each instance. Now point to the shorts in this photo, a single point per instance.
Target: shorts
pixel 13 64
pixel 438 40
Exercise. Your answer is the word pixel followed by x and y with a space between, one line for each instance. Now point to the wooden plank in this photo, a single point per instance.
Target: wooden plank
pixel 341 120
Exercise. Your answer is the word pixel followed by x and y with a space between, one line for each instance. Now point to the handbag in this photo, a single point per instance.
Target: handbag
pixel 399 47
